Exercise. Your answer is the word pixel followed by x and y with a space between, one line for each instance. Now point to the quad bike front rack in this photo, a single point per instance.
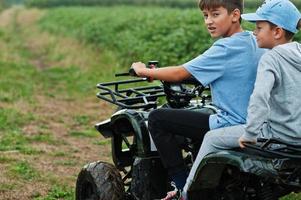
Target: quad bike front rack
pixel 140 97
pixel 137 97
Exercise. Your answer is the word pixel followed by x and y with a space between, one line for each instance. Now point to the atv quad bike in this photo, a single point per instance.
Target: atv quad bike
pixel 265 171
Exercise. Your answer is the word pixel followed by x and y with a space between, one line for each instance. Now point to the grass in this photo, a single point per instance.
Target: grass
pixel 82 119
pixel 103 142
pixel 23 170
pixel 85 133
pixel 58 192
pixel 12 119
pixel 47 108
pixel 59 154
pixel 44 138
pixel 13 87
pixel 5 159
pixel 7 187
pixel 12 141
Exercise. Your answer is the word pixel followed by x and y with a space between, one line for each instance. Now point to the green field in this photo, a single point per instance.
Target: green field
pixel 50 62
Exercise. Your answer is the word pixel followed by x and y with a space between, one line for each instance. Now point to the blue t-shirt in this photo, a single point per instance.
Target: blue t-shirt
pixel 229 67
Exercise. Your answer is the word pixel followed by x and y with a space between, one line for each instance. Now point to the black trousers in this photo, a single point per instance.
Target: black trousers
pixel 166 123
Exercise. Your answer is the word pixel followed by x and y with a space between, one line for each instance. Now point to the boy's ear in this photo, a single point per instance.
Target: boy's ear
pixel 278 33
pixel 236 15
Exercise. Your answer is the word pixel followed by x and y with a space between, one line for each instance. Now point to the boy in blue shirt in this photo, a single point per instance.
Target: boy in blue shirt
pixel 274 109
pixel 229 67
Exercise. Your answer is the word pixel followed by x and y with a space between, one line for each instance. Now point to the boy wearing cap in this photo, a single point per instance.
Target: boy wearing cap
pixel 275 108
pixel 230 62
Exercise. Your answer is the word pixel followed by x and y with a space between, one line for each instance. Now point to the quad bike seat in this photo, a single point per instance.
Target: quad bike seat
pixel 274 148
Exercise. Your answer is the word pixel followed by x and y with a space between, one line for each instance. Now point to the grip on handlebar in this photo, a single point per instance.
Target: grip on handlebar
pixel 152 65
pixel 132 72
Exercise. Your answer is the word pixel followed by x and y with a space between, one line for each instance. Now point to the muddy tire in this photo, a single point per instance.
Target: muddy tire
pixel 99 181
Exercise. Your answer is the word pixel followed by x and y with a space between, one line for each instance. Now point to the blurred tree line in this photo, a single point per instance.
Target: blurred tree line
pixel 1 5
pixel 7 3
pixel 13 2
pixel 252 4
pixel 249 4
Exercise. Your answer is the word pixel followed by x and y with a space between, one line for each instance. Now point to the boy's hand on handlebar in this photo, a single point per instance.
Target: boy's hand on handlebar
pixel 138 68
pixel 243 140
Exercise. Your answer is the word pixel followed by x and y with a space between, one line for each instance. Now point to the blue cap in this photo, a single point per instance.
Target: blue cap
pixel 282 13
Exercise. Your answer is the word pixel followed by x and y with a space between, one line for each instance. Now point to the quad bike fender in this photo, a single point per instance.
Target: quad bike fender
pixel 126 123
pixel 211 168
pixel 104 128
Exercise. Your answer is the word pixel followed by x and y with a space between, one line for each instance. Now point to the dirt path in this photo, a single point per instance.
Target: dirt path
pixel 61 157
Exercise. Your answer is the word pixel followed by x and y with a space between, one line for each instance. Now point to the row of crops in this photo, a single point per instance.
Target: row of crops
pixel 144 33
pixel 172 36
pixel 169 3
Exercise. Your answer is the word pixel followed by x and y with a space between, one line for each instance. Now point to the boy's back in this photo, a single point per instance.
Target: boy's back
pixel 284 61
pixel 229 66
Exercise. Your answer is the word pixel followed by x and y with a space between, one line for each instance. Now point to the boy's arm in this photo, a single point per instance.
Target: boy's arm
pixel 259 108
pixel 170 74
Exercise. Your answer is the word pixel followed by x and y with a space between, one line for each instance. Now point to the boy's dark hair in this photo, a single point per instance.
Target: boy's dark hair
pixel 230 5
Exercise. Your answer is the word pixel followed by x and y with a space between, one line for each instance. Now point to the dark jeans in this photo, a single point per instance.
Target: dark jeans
pixel 165 124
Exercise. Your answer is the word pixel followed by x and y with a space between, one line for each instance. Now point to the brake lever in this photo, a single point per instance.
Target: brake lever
pixel 151 65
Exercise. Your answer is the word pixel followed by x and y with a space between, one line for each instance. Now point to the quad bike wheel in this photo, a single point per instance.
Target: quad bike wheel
pixel 236 185
pixel 99 181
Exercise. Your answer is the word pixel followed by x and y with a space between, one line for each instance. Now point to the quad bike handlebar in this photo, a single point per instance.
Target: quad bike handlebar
pixel 131 72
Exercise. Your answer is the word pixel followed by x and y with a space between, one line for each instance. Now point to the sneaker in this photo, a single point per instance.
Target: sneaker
pixel 174 195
